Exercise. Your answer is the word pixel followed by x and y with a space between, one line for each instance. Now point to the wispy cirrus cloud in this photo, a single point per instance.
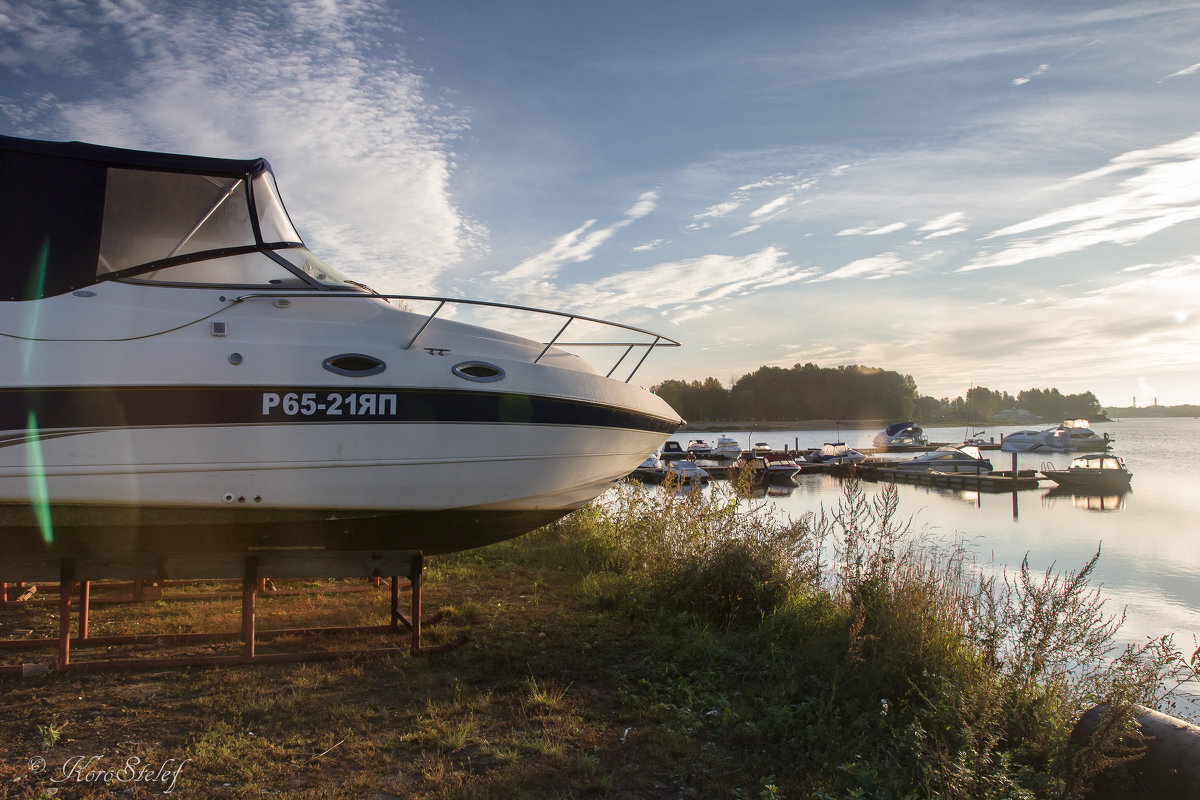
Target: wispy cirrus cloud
pixel 772 207
pixel 683 286
pixel 945 225
pixel 578 245
pixel 1181 73
pixel 1027 77
pixel 884 265
pixel 1162 191
pixel 872 230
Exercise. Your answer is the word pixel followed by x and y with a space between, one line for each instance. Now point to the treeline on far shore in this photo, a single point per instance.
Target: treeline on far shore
pixel 857 392
pixel 1186 410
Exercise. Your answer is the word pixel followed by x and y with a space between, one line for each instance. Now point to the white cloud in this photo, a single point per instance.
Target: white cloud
pixel 653 244
pixel 646 203
pixel 578 245
pixel 1163 191
pixel 1027 77
pixel 951 220
pixel 682 285
pixel 873 231
pixel 773 206
pixel 1185 71
pixel 884 265
pixel 719 210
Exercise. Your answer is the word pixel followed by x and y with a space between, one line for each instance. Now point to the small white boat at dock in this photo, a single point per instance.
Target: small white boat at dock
pixel 1099 472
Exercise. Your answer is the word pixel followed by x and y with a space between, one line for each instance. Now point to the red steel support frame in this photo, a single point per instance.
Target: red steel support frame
pixel 219 566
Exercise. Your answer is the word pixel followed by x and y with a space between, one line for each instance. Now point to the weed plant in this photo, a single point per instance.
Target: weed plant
pixel 856 658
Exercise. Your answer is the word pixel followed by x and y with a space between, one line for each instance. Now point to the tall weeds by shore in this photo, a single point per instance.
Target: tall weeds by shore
pixel 857 657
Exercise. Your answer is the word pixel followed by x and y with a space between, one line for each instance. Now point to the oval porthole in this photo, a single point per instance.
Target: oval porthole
pixel 479 371
pixel 356 365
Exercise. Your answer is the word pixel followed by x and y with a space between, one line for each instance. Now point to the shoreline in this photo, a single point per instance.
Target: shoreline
pixel 792 425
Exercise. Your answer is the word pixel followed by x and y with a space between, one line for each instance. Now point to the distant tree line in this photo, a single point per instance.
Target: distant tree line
pixel 855 392
pixel 1154 411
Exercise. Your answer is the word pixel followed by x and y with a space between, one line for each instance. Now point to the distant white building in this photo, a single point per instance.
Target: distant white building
pixel 1014 416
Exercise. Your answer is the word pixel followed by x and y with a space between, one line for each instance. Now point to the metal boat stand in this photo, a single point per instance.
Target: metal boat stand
pixel 80 571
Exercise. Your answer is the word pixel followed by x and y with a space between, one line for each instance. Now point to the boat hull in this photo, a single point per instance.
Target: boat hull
pixel 1091 482
pixel 431 486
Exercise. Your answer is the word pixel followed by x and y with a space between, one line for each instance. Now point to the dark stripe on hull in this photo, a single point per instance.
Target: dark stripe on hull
pixel 121 407
pixel 81 530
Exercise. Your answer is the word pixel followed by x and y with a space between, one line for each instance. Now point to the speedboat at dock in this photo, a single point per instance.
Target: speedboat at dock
pixel 835 454
pixel 1096 472
pixel 1081 437
pixel 1072 435
pixel 769 466
pixel 726 449
pixel 1050 440
pixel 650 471
pixel 950 458
pixel 686 472
pixel 900 435
pixel 181 373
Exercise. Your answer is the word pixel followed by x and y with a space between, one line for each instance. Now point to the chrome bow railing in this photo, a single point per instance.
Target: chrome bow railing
pixel 657 339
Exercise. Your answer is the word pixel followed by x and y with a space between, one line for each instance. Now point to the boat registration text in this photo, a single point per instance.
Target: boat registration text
pixel 328 404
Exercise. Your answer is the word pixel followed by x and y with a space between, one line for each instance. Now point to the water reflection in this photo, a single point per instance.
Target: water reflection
pixel 1088 501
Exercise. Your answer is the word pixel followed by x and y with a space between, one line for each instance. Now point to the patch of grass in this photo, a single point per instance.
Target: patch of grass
pixel 49 734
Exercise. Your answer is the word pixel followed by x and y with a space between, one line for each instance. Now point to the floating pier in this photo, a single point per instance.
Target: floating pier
pixel 997 481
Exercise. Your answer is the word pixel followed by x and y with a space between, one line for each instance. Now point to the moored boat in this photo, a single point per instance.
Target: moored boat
pixel 726 449
pixel 900 435
pixel 1099 472
pixel 182 373
pixel 686 472
pixel 835 454
pixel 651 470
pixel 1081 437
pixel 1050 440
pixel 949 458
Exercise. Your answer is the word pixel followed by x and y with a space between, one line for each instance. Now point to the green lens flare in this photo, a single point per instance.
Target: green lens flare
pixel 39 496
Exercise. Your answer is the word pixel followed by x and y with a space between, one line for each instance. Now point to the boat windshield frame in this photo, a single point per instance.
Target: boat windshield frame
pixel 130 213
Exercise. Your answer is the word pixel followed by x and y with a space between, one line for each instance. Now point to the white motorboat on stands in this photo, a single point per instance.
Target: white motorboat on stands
pixel 181 373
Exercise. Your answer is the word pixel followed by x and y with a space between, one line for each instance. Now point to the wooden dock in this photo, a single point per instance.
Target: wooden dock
pixel 997 481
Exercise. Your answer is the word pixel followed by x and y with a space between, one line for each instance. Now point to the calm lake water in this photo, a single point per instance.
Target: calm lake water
pixel 1149 538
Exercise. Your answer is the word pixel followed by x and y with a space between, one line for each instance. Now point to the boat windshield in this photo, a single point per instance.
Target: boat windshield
pixel 155 217
pixel 151 216
pixel 1094 461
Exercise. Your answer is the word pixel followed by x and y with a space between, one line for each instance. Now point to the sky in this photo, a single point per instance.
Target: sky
pixel 1001 194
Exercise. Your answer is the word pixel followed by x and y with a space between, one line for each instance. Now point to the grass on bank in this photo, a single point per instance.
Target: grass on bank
pixel 663 643
pixel 854 658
